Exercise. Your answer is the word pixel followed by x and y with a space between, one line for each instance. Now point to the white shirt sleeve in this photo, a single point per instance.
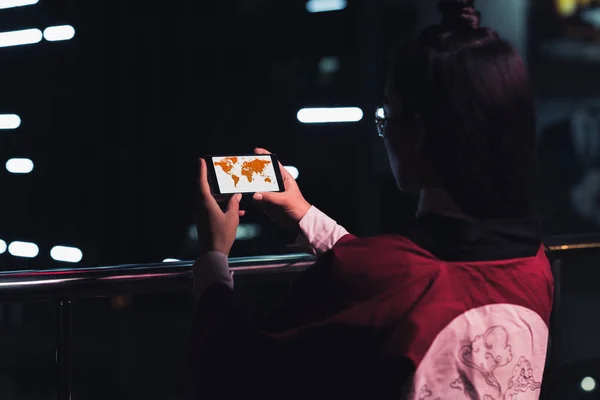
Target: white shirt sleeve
pixel 319 233
pixel 211 268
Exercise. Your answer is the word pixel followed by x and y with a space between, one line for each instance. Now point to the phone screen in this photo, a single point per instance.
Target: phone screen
pixel 245 174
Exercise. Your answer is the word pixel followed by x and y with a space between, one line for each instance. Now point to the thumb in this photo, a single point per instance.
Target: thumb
pixel 233 207
pixel 259 150
pixel 269 198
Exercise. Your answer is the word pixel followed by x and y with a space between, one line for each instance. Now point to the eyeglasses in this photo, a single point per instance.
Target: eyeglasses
pixel 381 121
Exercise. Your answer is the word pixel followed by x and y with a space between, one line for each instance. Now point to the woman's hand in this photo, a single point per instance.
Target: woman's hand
pixel 216 228
pixel 286 208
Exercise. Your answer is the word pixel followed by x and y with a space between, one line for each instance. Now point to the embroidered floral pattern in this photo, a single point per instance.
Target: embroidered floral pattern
pixel 488 352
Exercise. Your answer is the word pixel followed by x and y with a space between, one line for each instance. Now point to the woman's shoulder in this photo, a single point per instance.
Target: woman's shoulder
pixel 393 250
pixel 389 242
pixel 366 268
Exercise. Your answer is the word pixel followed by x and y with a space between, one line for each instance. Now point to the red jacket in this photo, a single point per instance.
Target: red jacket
pixel 449 310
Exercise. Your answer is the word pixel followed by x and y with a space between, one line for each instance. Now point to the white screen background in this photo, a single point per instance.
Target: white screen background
pixel 265 181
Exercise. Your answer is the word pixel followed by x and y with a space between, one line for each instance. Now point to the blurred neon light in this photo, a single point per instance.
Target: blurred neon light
pixel 9 121
pixel 591 16
pixel 316 6
pixel 23 249
pixel 59 33
pixel 66 254
pixel 166 260
pixel 329 65
pixel 16 3
pixel 19 165
pixel 293 171
pixel 588 384
pixel 2 246
pixel 247 231
pixel 329 115
pixel 19 38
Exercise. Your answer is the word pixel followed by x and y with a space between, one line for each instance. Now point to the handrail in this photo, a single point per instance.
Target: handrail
pixel 146 278
pixel 573 242
pixel 67 284
pixel 129 279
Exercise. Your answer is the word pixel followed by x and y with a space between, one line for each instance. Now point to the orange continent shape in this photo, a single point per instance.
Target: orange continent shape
pixel 256 166
pixel 225 165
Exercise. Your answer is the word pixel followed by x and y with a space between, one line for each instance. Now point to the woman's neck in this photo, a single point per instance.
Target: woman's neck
pixel 437 201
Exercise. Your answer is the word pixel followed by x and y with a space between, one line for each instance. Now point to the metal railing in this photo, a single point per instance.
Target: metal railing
pixel 75 283
pixel 68 284
pixel 573 242
pixel 65 285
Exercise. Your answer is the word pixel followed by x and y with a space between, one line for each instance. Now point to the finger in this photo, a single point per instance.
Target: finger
pixel 233 208
pixel 259 150
pixel 242 213
pixel 207 197
pixel 268 198
pixel 284 172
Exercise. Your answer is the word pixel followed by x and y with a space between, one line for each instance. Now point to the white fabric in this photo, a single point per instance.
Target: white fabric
pixel 319 232
pixel 209 269
pixel 490 353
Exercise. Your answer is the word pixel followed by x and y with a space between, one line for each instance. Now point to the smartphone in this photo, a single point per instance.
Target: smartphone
pixel 244 174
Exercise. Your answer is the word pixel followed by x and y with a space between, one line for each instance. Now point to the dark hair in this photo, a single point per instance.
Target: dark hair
pixel 471 90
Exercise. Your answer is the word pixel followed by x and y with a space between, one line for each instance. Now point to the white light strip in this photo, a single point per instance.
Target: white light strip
pixel 59 33
pixel 293 171
pixel 19 38
pixel 166 260
pixel 2 246
pixel 16 3
pixel 41 282
pixel 19 165
pixel 329 115
pixel 9 121
pixel 23 249
pixel 316 6
pixel 66 254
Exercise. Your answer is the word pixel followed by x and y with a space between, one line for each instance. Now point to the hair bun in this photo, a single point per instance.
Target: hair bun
pixel 459 14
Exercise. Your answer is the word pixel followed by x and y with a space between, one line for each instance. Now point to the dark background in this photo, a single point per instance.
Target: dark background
pixel 116 118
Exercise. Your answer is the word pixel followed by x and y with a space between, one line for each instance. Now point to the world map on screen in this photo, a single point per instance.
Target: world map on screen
pixel 245 174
